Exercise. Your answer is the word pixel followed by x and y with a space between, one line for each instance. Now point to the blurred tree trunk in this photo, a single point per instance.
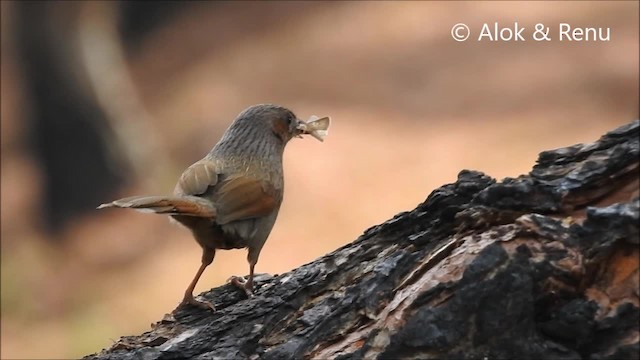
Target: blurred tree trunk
pixel 541 266
pixel 68 128
pixel 89 130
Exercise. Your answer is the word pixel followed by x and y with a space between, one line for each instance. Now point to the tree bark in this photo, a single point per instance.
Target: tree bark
pixel 541 266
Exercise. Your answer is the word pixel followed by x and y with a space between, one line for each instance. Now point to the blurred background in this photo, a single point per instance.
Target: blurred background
pixel 102 100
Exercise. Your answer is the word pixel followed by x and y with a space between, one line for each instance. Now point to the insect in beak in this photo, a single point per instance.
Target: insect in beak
pixel 315 126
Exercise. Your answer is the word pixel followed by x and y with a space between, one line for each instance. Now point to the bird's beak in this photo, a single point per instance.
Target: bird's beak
pixel 301 128
pixel 316 127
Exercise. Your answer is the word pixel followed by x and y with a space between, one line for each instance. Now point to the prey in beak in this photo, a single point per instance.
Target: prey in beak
pixel 315 126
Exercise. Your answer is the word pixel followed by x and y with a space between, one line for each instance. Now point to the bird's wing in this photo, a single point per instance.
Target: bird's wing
pixel 234 197
pixel 241 197
pixel 197 178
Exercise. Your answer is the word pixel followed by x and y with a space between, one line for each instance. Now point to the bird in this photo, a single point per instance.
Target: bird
pixel 230 198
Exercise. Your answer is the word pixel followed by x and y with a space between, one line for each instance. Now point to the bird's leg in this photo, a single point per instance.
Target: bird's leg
pixel 207 258
pixel 246 285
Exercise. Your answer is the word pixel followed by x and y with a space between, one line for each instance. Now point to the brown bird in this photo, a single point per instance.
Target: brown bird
pixel 230 199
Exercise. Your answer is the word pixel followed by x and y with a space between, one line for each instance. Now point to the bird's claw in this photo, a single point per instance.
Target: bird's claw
pixel 197 303
pixel 243 284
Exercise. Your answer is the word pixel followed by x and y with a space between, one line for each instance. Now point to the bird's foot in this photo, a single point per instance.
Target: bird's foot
pixel 190 300
pixel 243 284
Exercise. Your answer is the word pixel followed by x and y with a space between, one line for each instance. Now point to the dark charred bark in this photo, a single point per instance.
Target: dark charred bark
pixel 541 266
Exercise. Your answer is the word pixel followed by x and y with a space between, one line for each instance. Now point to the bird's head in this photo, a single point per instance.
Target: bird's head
pixel 280 122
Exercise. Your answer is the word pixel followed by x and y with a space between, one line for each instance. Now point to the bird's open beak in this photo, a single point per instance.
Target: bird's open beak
pixel 316 127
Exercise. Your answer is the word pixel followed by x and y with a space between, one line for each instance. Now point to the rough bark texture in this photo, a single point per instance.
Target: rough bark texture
pixel 541 266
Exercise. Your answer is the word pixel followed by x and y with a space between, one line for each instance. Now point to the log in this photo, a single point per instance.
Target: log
pixel 544 265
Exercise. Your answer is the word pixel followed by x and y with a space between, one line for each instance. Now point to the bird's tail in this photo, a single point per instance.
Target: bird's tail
pixel 169 205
